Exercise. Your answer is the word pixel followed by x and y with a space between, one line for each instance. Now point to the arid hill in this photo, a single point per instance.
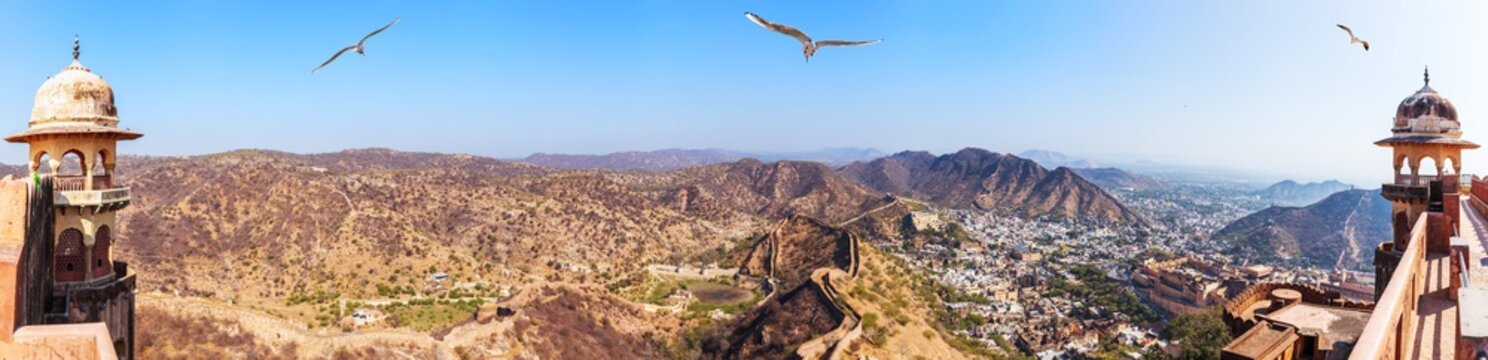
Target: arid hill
pixel 566 322
pixel 264 224
pixel 823 305
pixel 976 178
pixel 1339 230
pixel 259 229
pixel 268 225
pixel 773 190
pixel 797 247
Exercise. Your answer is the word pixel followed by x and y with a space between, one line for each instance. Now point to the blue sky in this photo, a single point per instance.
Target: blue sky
pixel 1269 87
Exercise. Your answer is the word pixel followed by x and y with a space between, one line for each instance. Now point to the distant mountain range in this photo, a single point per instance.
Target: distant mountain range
pixel 1054 159
pixel 976 178
pixel 1342 229
pixel 1291 193
pixel 671 159
pixel 1117 179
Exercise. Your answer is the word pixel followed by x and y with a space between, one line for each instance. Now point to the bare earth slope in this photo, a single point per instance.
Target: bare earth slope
pixel 821 301
pixel 263 224
pixel 773 190
pixel 976 178
pixel 1339 230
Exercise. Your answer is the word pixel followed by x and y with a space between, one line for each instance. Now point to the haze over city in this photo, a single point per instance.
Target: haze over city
pixel 1270 88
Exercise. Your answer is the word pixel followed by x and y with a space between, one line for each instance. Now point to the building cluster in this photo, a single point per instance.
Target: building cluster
pixel 1015 271
pixel 1021 262
pixel 1180 285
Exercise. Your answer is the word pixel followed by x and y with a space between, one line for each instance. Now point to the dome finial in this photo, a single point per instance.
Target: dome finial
pixel 1427 75
pixel 75 47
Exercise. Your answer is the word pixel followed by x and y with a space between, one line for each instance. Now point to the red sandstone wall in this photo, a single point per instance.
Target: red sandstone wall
pixel 12 244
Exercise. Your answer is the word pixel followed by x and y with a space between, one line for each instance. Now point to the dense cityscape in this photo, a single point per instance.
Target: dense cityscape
pixel 1056 288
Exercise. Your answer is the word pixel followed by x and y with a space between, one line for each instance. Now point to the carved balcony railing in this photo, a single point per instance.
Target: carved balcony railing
pixel 75 191
pixel 80 183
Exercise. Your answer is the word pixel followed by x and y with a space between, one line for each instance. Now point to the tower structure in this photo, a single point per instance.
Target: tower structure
pixel 73 135
pixel 1426 143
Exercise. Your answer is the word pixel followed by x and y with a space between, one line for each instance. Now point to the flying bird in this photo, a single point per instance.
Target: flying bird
pixel 360 47
pixel 1354 39
pixel 808 46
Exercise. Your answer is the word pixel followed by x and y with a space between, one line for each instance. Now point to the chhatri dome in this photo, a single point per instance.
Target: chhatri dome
pixel 1426 117
pixel 1426 111
pixel 74 101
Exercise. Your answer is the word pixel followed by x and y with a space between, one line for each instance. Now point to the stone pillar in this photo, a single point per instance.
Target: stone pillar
pixel 88 172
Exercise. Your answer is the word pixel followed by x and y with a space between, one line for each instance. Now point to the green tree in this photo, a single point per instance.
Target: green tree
pixel 1202 334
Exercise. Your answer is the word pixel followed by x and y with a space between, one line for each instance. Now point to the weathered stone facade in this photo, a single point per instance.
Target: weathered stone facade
pixel 62 275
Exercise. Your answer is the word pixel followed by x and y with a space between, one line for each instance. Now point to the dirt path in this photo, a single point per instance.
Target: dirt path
pixel 1350 232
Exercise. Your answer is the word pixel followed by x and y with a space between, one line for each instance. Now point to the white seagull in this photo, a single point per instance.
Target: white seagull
pixel 809 47
pixel 1354 39
pixel 360 47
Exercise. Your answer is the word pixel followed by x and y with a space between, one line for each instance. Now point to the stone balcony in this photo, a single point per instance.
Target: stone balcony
pixel 75 191
pixel 1404 192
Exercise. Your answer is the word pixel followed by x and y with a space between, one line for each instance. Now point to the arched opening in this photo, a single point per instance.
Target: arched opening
pixel 101 243
pixel 1447 168
pixel 72 164
pixel 101 173
pixel 1428 170
pixel 70 174
pixel 42 163
pixel 67 264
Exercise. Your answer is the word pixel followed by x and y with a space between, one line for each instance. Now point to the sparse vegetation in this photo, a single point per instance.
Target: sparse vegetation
pixel 1091 283
pixel 316 298
pixel 429 314
pixel 1202 334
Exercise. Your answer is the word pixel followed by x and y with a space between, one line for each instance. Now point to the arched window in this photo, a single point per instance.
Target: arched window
pixel 43 164
pixel 72 164
pixel 70 174
pixel 98 168
pixel 68 264
pixel 101 178
pixel 101 243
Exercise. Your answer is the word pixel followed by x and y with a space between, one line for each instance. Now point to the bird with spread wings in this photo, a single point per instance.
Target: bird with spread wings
pixel 360 47
pixel 1354 39
pixel 809 46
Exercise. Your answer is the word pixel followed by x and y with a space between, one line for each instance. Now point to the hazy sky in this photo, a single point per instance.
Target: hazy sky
pixel 1270 87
